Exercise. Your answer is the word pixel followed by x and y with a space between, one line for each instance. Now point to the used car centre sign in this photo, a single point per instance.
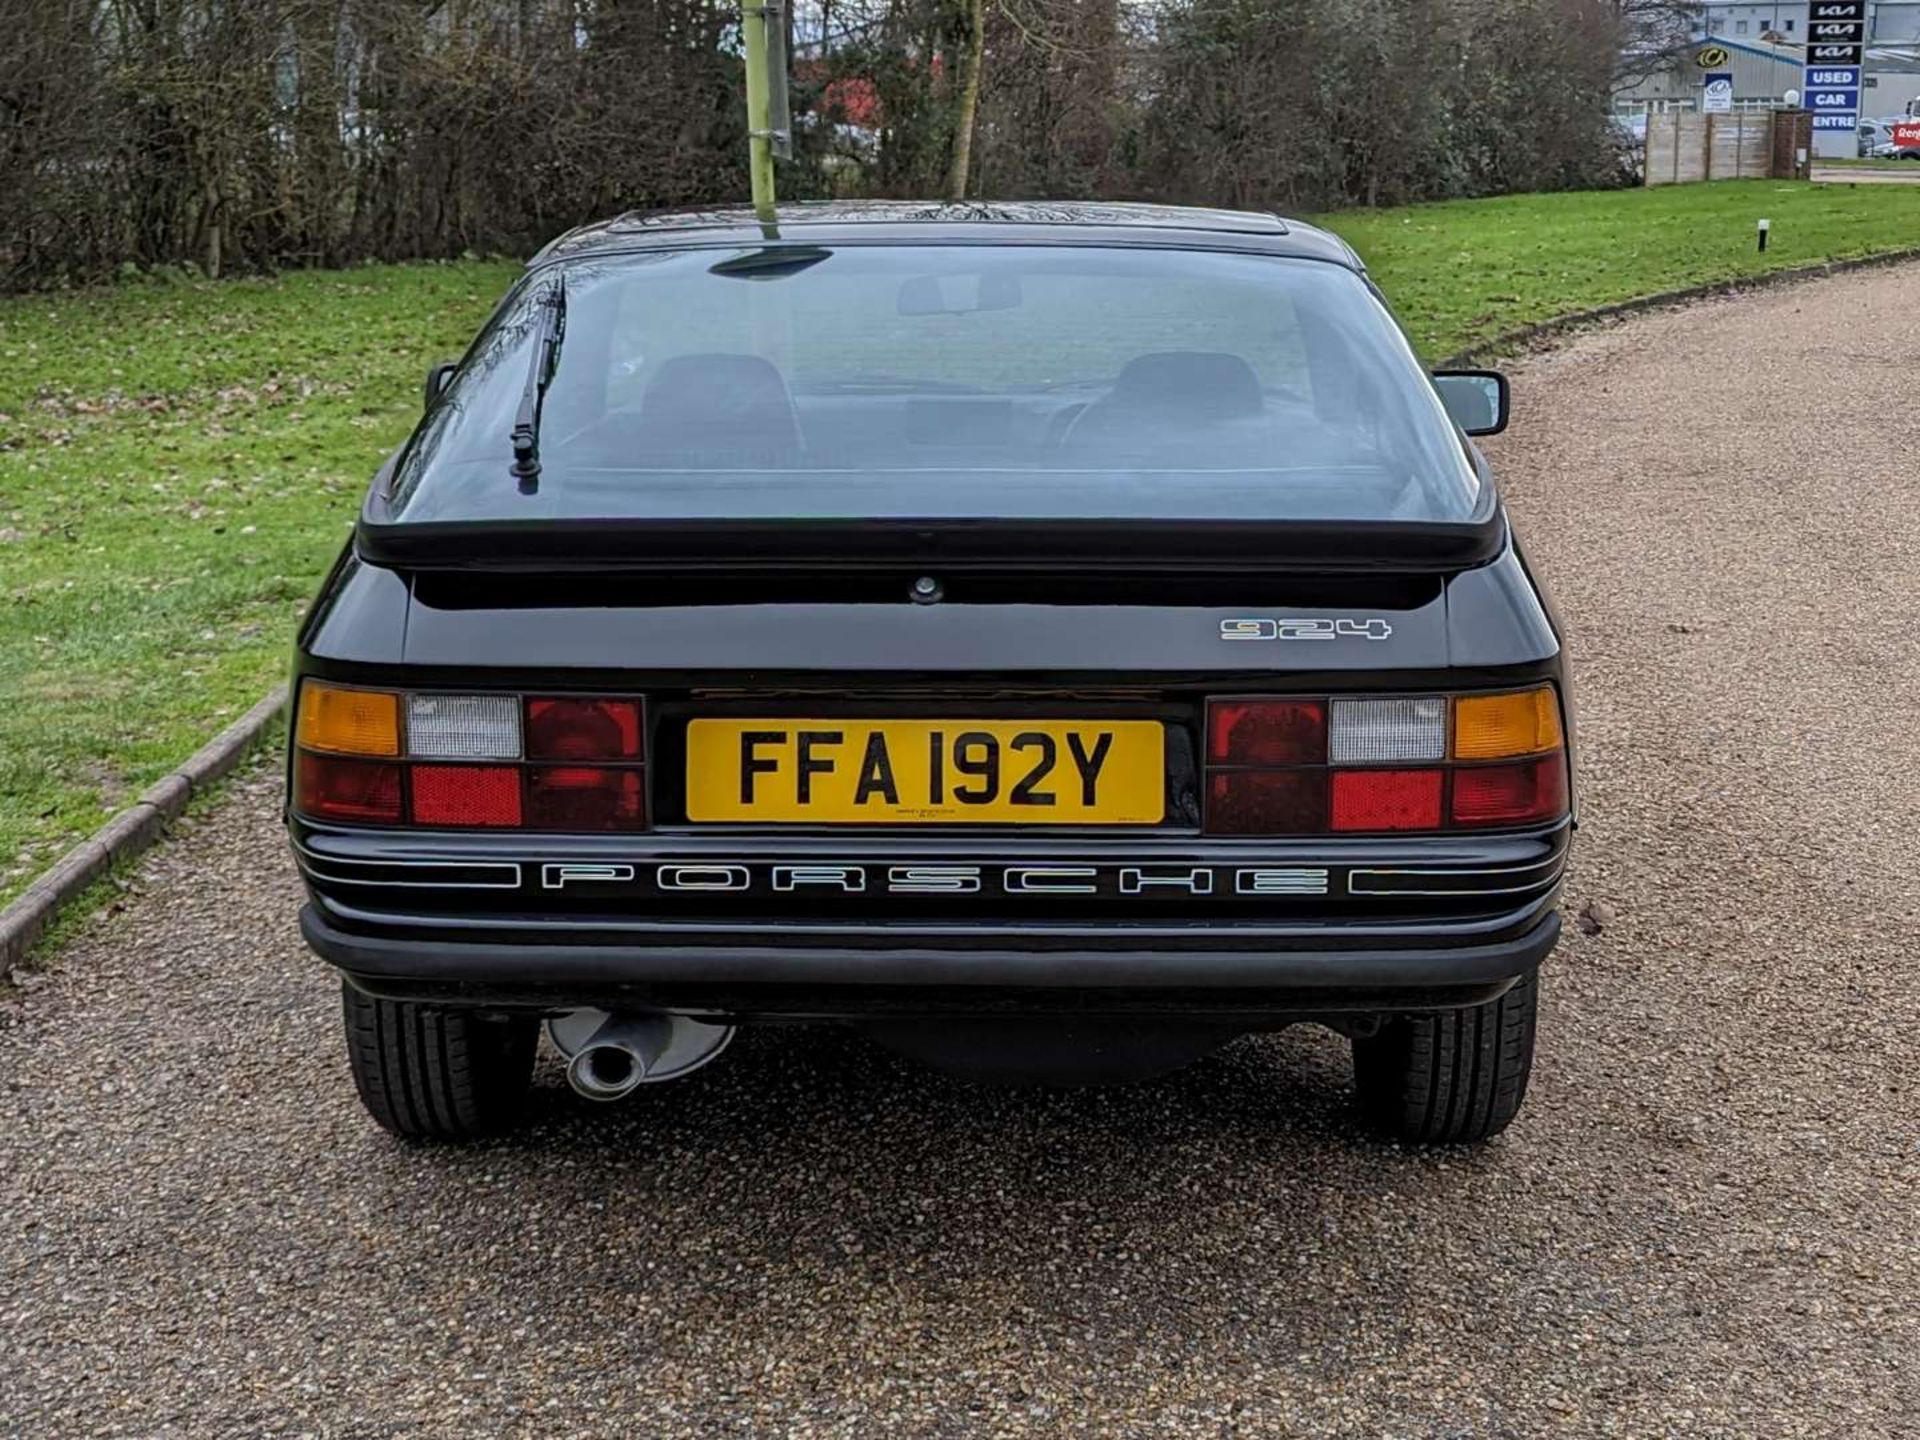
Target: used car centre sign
pixel 1836 42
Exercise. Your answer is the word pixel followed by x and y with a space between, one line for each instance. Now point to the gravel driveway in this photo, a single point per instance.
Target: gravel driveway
pixel 1703 1224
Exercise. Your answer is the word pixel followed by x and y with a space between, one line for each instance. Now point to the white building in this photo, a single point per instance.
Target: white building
pixel 1889 22
pixel 1765 44
pixel 1763 71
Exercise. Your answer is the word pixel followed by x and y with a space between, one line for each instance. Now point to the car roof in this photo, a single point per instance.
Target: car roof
pixel 912 222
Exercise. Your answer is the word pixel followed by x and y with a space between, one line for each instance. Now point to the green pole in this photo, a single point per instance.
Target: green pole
pixel 759 116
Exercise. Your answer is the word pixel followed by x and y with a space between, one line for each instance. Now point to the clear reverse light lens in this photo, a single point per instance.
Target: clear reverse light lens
pixel 464 727
pixel 1364 732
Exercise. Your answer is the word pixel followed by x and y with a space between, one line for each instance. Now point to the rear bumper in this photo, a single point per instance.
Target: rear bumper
pixel 1254 972
pixel 1147 925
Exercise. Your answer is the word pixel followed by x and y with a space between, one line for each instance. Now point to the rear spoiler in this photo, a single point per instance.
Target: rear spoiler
pixel 1155 545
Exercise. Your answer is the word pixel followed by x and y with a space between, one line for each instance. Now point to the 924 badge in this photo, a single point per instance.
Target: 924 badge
pixel 1339 627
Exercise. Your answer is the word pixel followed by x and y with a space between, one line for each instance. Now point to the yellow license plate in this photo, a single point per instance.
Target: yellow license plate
pixel 892 772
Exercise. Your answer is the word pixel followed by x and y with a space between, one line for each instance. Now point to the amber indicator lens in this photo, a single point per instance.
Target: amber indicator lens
pixel 1267 732
pixel 1496 727
pixel 348 722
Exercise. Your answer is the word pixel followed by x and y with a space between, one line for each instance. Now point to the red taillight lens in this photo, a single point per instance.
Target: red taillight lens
pixel 1267 802
pixel 578 797
pixel 1510 794
pixel 1383 763
pixel 463 760
pixel 584 729
pixel 1267 732
pixel 1386 799
pixel 466 795
pixel 328 787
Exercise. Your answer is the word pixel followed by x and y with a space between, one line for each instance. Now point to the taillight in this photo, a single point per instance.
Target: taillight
pixel 581 797
pixel 462 795
pixel 1267 802
pixel 469 761
pixel 1386 799
pixel 1267 732
pixel 583 729
pixel 1510 794
pixel 333 787
pixel 1382 764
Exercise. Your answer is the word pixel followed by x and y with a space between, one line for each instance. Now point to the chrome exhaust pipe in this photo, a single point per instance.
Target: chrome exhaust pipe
pixel 616 1058
pixel 610 1056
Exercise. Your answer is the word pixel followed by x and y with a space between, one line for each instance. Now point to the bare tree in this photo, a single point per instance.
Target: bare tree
pixel 249 134
pixel 1649 32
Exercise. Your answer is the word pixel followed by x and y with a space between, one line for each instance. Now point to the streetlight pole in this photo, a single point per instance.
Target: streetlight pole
pixel 755 18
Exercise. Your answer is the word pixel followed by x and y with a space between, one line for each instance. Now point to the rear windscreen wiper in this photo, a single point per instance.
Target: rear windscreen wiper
pixel 549 329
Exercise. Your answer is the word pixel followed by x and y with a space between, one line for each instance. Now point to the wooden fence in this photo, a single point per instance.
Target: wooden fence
pixel 1685 146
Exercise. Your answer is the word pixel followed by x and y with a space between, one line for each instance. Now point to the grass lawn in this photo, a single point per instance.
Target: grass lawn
pixel 1463 272
pixel 178 463
pixel 177 466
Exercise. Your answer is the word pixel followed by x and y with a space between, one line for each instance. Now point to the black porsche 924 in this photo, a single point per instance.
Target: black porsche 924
pixel 1054 639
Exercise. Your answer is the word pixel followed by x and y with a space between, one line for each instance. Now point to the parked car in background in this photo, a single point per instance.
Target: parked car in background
pixel 1893 137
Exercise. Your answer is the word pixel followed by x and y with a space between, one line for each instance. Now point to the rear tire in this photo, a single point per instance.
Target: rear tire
pixel 1453 1077
pixel 425 1073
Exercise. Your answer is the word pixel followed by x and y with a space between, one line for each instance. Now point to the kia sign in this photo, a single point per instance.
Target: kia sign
pixel 1836 51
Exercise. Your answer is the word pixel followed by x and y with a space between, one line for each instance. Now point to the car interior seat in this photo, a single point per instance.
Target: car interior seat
pixel 719 409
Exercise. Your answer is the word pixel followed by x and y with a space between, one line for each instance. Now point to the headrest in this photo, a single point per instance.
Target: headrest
pixel 723 402
pixel 1197 382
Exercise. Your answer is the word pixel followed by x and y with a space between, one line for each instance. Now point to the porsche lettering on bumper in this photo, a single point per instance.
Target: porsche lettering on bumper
pixel 861 879
pixel 961 880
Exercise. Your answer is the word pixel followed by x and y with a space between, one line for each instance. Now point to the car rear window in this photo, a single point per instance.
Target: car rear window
pixel 946 381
